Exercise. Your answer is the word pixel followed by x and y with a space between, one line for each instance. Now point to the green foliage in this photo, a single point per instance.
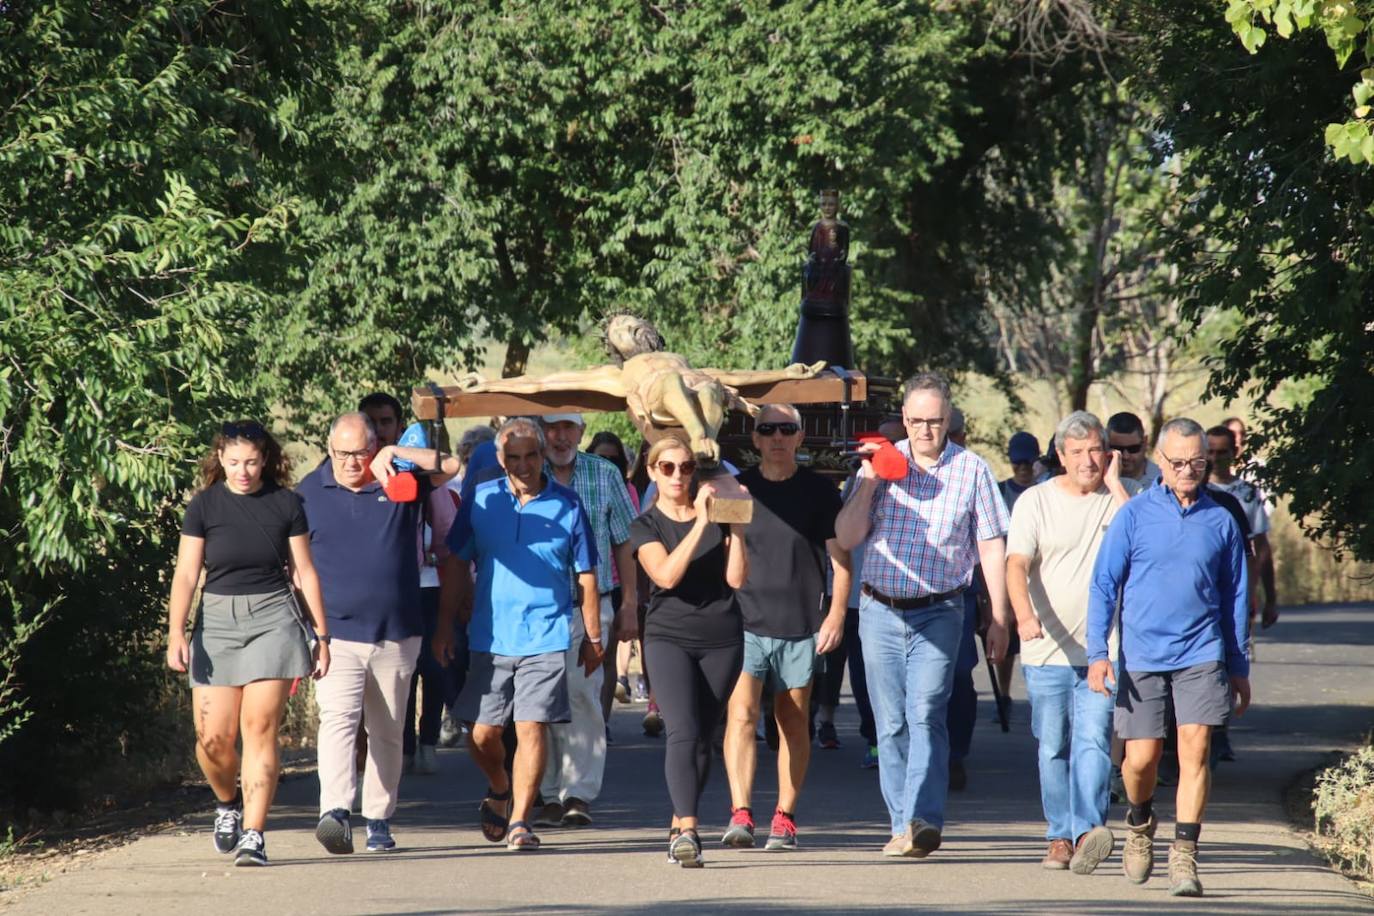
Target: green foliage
pixel 137 243
pixel 1346 25
pixel 1277 233
pixel 1343 804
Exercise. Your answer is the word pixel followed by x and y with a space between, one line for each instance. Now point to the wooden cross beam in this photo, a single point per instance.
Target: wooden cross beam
pixel 826 388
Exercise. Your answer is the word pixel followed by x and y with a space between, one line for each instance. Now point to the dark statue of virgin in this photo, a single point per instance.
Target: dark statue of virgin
pixel 823 331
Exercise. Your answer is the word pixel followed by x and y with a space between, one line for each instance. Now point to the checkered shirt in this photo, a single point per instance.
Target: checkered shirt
pixel 602 490
pixel 924 529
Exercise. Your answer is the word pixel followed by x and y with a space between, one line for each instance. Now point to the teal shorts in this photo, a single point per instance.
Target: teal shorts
pixel 782 664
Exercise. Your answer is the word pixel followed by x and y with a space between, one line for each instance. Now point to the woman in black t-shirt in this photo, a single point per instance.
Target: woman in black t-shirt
pixel 248 643
pixel 693 634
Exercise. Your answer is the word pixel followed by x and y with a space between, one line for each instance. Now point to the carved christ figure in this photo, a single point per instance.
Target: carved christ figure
pixel 660 389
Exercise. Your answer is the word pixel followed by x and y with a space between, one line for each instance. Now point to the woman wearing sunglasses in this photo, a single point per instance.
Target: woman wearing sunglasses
pixel 248 643
pixel 693 635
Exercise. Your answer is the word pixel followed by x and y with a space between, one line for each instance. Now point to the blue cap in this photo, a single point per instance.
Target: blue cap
pixel 1023 447
pixel 414 437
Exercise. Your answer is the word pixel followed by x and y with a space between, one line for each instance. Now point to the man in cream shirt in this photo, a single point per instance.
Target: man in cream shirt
pixel 1056 529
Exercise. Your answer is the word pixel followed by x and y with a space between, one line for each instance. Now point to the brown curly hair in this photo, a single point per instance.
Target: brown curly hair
pixel 276 467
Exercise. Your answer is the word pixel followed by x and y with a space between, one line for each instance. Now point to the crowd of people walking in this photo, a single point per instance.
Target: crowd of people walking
pixel 493 585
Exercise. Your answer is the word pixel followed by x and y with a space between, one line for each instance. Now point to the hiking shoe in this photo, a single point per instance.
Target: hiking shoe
pixel 827 737
pixel 622 690
pixel 783 833
pixel 334 832
pixel 1057 856
pixel 577 813
pixel 551 815
pixel 1138 855
pixel 251 849
pixel 426 760
pixel 228 826
pixel 870 759
pixel 685 850
pixel 653 721
pixel 740 833
pixel 925 839
pixel 1183 880
pixel 958 776
pixel 1093 848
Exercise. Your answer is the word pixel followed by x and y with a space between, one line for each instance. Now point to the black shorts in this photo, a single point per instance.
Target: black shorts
pixel 1201 694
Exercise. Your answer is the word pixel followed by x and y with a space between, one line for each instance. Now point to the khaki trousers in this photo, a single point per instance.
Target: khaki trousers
pixel 371 682
pixel 577 749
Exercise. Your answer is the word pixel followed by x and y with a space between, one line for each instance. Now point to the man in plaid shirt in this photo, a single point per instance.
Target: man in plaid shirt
pixel 577 749
pixel 925 533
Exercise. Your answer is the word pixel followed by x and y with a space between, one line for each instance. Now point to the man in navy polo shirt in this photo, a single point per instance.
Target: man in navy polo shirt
pixel 529 538
pixel 364 549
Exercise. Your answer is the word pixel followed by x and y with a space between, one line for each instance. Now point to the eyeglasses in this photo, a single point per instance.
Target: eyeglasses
pixel 917 422
pixel 248 430
pixel 1197 464
pixel 360 455
pixel 666 468
pixel 767 429
pixel 1130 449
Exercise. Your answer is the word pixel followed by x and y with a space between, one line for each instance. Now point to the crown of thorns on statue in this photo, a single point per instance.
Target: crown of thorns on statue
pixel 626 335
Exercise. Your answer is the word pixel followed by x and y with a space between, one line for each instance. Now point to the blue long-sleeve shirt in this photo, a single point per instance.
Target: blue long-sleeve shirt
pixel 1185 600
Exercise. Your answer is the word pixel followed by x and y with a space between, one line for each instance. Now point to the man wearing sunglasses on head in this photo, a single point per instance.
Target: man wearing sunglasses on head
pixel 1126 437
pixel 1177 559
pixel 787 627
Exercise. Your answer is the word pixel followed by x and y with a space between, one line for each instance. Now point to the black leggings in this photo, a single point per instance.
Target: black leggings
pixel 691 687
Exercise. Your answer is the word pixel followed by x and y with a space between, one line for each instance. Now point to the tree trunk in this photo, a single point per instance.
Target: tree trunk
pixel 517 357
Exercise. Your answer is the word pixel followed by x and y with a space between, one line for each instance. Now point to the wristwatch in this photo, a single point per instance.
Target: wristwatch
pixel 323 637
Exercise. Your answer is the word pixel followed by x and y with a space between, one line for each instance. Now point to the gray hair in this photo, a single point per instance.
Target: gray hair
pixel 523 427
pixel 1079 425
pixel 956 420
pixel 926 381
pixel 472 437
pixel 1184 428
pixel 354 417
pixel 789 409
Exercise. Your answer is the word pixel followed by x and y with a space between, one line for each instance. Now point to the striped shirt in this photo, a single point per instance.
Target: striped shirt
pixel 924 529
pixel 602 490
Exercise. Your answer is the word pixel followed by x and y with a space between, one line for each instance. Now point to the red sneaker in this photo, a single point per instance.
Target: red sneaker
pixel 740 833
pixel 783 834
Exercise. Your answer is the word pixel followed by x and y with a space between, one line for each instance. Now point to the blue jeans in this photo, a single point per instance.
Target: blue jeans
pixel 1074 728
pixel 963 698
pixel 910 658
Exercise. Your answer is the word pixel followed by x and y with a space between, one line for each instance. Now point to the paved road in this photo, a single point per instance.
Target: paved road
pixel 1313 692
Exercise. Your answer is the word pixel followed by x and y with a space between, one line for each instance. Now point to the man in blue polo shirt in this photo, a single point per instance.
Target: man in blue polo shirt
pixel 1178 561
pixel 529 538
pixel 364 549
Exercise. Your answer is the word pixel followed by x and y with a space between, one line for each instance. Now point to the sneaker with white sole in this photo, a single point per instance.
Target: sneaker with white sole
pixel 379 836
pixel 251 848
pixel 228 827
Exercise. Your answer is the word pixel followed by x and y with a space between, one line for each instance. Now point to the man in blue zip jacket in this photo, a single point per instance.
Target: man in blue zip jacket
pixel 1177 560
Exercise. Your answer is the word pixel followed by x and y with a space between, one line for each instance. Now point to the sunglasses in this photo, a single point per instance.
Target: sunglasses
pixel 243 431
pixel 767 429
pixel 666 468
pixel 1130 449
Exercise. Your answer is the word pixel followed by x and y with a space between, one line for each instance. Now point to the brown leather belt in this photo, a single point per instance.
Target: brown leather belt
pixel 910 604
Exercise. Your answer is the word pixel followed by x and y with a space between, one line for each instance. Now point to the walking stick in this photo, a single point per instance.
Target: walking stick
pixel 996 690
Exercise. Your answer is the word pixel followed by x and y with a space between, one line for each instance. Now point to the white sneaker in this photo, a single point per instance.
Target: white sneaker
pixel 426 760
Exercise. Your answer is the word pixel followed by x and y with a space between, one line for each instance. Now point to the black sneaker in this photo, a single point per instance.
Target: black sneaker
pixel 827 737
pixel 252 848
pixel 228 826
pixel 334 832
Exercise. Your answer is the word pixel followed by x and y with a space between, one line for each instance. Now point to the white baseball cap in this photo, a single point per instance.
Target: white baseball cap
pixel 552 418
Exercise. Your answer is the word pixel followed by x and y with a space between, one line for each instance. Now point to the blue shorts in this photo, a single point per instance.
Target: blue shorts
pixel 782 664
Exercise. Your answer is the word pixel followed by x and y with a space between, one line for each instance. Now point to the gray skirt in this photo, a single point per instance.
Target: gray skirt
pixel 239 639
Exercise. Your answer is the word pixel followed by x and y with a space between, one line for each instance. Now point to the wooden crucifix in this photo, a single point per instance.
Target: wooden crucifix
pixel 660 390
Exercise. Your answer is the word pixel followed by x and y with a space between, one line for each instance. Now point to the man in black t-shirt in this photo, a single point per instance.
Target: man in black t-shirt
pixel 786 627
